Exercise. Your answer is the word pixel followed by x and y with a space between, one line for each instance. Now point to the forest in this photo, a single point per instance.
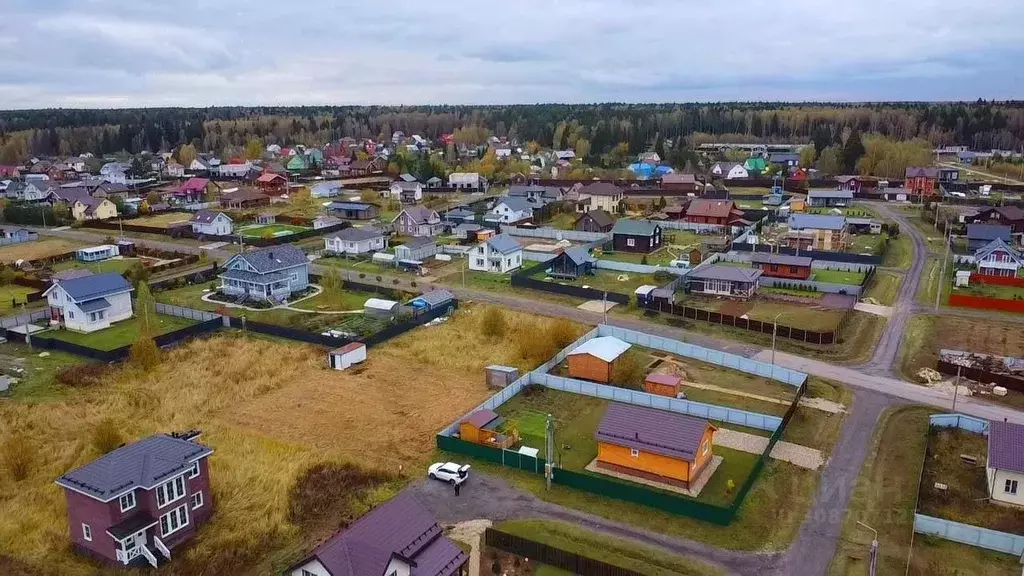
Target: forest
pixel 600 129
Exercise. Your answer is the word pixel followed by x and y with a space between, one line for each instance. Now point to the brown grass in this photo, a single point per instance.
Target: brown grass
pixel 328 497
pixel 161 220
pixel 38 249
pixel 270 410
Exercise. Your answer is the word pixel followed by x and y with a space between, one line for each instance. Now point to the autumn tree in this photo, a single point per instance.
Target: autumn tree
pixel 582 148
pixel 807 156
pixel 558 138
pixel 254 149
pixel 831 160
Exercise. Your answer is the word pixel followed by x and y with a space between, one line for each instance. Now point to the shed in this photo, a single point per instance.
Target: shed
pixel 96 253
pixel 347 355
pixel 662 384
pixel 501 376
pixel 431 300
pixel 595 358
pixel 380 308
pixel 266 218
pixel 481 427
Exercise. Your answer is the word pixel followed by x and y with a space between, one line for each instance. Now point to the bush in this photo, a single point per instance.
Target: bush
pixel 493 324
pixel 106 436
pixel 18 455
pixel 628 372
pixel 561 333
pixel 144 354
pixel 328 496
pixel 83 374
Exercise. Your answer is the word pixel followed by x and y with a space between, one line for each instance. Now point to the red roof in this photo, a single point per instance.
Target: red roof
pixel 194 185
pixel 350 347
pixel 666 379
pixel 269 177
pixel 710 208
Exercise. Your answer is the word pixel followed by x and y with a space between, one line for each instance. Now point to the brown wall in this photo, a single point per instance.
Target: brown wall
pixel 590 368
pixel 660 389
pixel 664 466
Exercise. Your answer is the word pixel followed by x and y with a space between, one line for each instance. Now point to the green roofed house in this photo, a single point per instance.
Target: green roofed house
pixel 298 162
pixel 755 164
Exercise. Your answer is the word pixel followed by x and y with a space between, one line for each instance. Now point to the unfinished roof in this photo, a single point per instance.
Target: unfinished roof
pixel 652 430
pixel 1006 446
pixel 606 348
pixel 783 259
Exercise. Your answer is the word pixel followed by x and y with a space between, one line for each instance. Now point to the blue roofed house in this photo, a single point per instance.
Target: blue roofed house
pixel 501 253
pixel 784 159
pixel 572 263
pixel 356 241
pixel 273 273
pixel 90 303
pixel 818 232
pixel 980 235
pixel 354 210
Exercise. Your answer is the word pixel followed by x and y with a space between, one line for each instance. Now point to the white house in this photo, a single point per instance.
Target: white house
pixel 211 223
pixel 729 170
pixel 356 241
pixel 513 209
pixel 115 172
pixel 997 258
pixel 466 180
pixel 408 192
pixel 235 170
pixel 325 221
pixel 90 303
pixel 174 170
pixel 500 253
pixel 1004 468
pixel 198 165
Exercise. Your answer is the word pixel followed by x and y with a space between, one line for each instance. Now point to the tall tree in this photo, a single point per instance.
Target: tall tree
pixel 254 149
pixel 830 161
pixel 853 149
pixel 582 148
pixel 807 156
pixel 187 155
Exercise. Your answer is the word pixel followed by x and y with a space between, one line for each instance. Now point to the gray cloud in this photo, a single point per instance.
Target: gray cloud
pixel 127 53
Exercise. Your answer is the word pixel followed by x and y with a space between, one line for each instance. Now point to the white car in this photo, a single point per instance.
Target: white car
pixel 449 472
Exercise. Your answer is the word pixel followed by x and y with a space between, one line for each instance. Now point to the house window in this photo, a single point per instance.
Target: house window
pixel 87 532
pixel 630 242
pixel 71 314
pixel 174 520
pixel 479 261
pixel 295 277
pixel 197 500
pixel 634 452
pixel 170 491
pixel 194 471
pixel 706 448
pixel 127 501
pixel 793 270
pixel 307 573
pixel 1010 487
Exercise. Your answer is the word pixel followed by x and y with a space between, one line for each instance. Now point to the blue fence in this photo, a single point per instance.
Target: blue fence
pixel 962 421
pixel 970 535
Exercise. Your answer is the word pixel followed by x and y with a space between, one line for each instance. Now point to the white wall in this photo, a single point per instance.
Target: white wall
pixel 997 486
pixel 313 566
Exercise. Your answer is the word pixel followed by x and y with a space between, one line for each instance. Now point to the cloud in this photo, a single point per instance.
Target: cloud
pixel 96 53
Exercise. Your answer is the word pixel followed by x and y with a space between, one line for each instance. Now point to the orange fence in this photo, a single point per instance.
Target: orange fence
pixel 987 303
pixel 998 280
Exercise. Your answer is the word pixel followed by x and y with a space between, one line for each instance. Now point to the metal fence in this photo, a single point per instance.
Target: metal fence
pixel 522 279
pixel 182 312
pixel 555 233
pixel 23 319
pixel 32 237
pixel 639 268
pixel 762 327
pixel 815 254
pixel 551 556
pixel 962 421
pixel 970 535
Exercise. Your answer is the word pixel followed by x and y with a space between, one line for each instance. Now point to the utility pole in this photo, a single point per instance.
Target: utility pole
pixel 604 306
pixel 874 548
pixel 464 273
pixel 549 451
pixel 942 275
pixel 956 387
pixel 775 331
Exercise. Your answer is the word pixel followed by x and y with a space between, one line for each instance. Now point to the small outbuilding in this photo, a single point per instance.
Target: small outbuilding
pixel 481 427
pixel 380 308
pixel 501 376
pixel 96 253
pixel 347 355
pixel 662 384
pixel 782 265
pixel 431 300
pixel 595 359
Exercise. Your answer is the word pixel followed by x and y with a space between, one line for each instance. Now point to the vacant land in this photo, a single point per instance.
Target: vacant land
pixel 802 316
pixel 118 264
pixel 122 333
pixel 165 220
pixel 610 280
pixel 900 252
pixel 271 230
pixel 927 334
pixel 883 288
pixel 35 372
pixel 12 296
pixel 39 249
pixel 866 243
pixel 563 220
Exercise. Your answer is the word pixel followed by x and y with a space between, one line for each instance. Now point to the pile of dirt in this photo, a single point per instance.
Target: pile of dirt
pixel 929 375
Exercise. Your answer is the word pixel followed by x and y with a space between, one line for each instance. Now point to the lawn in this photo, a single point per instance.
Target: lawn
pixel 271 230
pixel 36 374
pixel 38 249
pixel 837 276
pixel 866 243
pixel 563 220
pixel 992 291
pixel 337 301
pixel 118 264
pixel 927 334
pixel 900 252
pixel 607 280
pixel 362 265
pixel 13 295
pixel 800 316
pixel 619 552
pixel 930 283
pixel 121 333
pixel 884 288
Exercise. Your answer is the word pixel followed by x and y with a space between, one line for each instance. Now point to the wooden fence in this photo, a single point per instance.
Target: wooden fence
pixel 782 331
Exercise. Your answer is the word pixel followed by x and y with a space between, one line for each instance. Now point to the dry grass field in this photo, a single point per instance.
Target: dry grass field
pixel 37 249
pixel 270 410
pixel 162 220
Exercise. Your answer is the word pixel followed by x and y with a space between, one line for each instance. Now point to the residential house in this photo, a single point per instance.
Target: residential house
pixel 115 172
pixel 356 241
pixel 728 281
pixel 855 183
pixel 1011 216
pixel 717 212
pixel 327 189
pixel 595 359
pixel 407 192
pixel 417 249
pixel 417 221
pixel 16 235
pixel 325 221
pixel 782 266
pixel 90 303
pixel 676 211
pixel 572 263
pixel 602 196
pixel 244 198
pixel 354 210
pixel 500 253
pixel 7 171
pixel 536 193
pixel 88 208
pixel 729 170
pixel 1004 465
pixel 435 182
pixel 297 163
pixel 513 209
pixel 459 215
pixel 136 504
pixel 194 190
pixel 818 232
pixel 997 258
pixel 235 170
pixel 397 538
pixel 273 273
pixel 784 159
pixel 594 221
pixel 655 445
pixel 921 180
pixel 755 164
pixel 636 236
pixel 366 167
pixel 274 184
pixel 34 191
pixel 681 183
pixel 979 235
pixel 211 223
pixel 465 180
pixel 829 198
pixel 174 170
pixel 199 165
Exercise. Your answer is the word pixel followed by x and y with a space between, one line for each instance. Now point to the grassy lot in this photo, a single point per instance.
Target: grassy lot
pixel 563 220
pixel 930 283
pixel 992 291
pixel 838 276
pixel 38 249
pixel 12 296
pixel 343 300
pixel 36 374
pixel 119 265
pixel 121 333
pixel 884 288
pixel 271 230
pixel 927 334
pixel 965 501
pixel 802 316
pixel 162 220
pixel 661 256
pixel 900 252
pixel 252 399
pixel 619 552
pixel 866 243
pixel 368 267
pixel 933 236
pixel 606 280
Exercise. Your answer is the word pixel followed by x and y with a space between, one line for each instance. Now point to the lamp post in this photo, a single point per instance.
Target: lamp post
pixel 956 387
pixel 775 330
pixel 874 548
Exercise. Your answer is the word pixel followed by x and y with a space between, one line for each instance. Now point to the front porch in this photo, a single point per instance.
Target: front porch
pixel 138 544
pixel 271 287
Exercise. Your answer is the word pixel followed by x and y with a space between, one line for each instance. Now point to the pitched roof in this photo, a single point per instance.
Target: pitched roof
pixel 710 208
pixel 273 258
pixel 731 273
pixel 997 244
pixel 207 216
pixel 400 527
pixel 846 178
pixel 95 286
pixel 634 227
pixel 550 192
pixel 783 157
pixel 845 194
pixel 503 243
pixel 601 189
pixel 357 234
pixel 988 232
pixel 480 418
pixel 606 348
pixel 195 184
pixel 418 242
pixel 918 172
pixel 579 255
pixel 269 177
pixel 357 206
pixel 601 217
pixel 652 430
pixel 516 204
pixel 1006 446
pixel 436 297
pixel 816 221
pixel 678 179
pixel 407 177
pixel 142 464
pixel 1012 213
pixel 418 214
pixel 725 167
pixel 785 260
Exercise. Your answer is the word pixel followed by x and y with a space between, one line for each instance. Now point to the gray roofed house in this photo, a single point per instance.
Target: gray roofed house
pixel 417 221
pixel 724 281
pixel 514 208
pixel 783 259
pixel 434 298
pixel 272 273
pixel 417 248
pixel 460 215
pixel 642 236
pixel 979 235
pixel 356 234
pixel 501 253
pixel 651 430
pixel 464 229
pixel 407 177
pixel 634 227
pixel 572 263
pixel 503 243
pixel 825 198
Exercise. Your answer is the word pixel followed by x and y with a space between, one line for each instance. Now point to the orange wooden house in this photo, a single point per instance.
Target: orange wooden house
pixel 595 358
pixel 481 427
pixel 662 384
pixel 654 444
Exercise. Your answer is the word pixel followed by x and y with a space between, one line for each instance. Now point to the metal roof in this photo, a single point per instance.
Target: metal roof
pixel 480 418
pixel 786 260
pixel 92 287
pixel 652 430
pixel 272 258
pixel 358 206
pixel 207 216
pixel 635 227
pixel 94 305
pixel 989 232
pixel 503 243
pixel 253 277
pixel 842 194
pixel 436 297
pixel 1006 446
pixel 606 348
pixel 731 273
pixel 357 234
pixel 380 304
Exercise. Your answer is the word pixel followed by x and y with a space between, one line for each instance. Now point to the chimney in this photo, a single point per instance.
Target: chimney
pixel 270 254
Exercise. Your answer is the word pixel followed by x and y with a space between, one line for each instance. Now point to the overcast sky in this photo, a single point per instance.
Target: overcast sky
pixel 123 53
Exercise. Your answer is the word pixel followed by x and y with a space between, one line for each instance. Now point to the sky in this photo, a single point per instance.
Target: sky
pixel 128 53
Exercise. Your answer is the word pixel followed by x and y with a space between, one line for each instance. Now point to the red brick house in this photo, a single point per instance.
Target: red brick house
pixel 782 266
pixel 132 506
pixel 922 180
pixel 720 212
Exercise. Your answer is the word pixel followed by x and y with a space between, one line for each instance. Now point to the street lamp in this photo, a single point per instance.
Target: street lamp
pixel 874 548
pixel 775 330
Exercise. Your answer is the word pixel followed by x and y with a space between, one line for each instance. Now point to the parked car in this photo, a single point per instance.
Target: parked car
pixel 449 472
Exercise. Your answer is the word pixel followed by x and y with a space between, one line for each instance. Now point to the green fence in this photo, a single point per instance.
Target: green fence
pixel 506 458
